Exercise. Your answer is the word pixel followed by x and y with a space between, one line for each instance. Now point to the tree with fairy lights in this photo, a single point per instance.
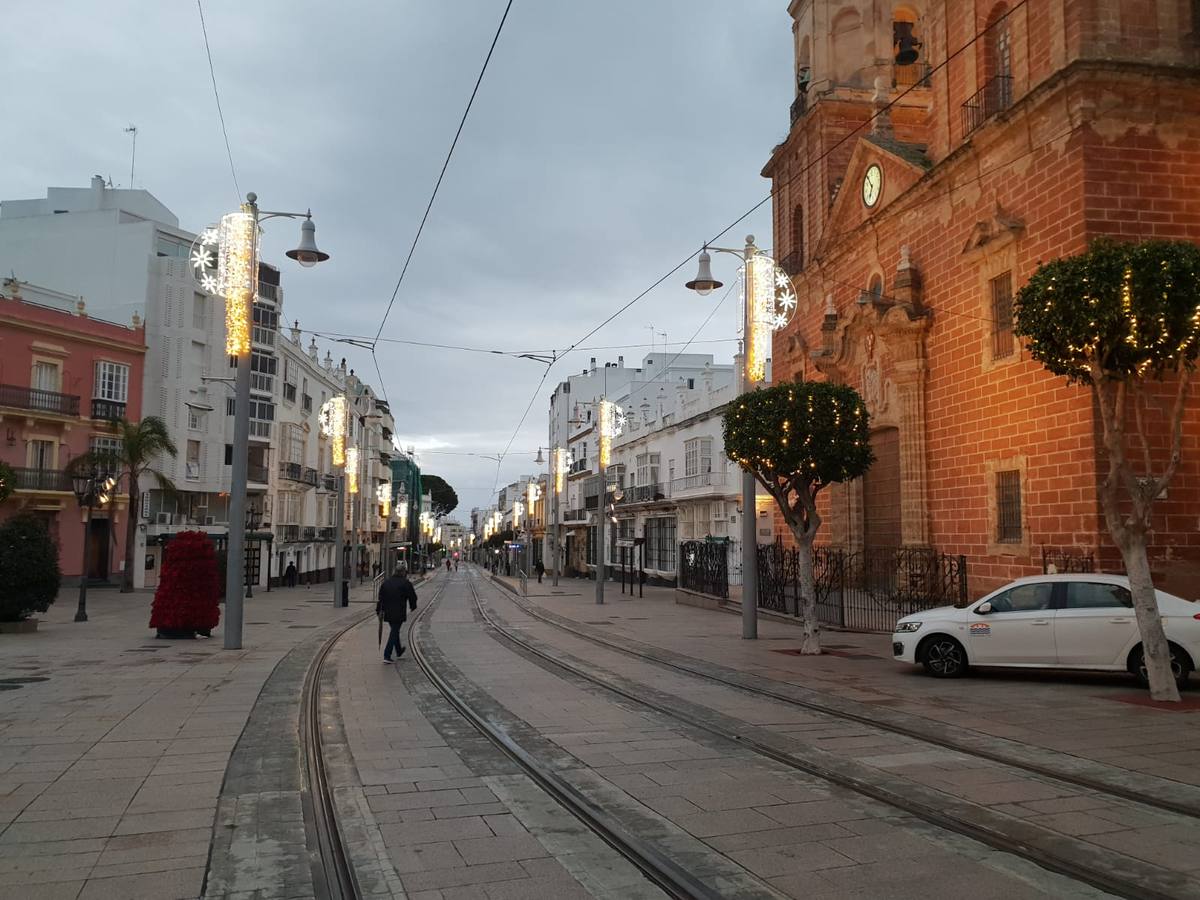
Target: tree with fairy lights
pixel 1124 319
pixel 796 439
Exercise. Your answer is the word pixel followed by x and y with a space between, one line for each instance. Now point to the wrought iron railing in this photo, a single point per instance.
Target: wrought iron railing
pixel 17 397
pixel 700 480
pixel 995 96
pixel 1059 561
pixel 257 474
pixel 574 515
pixel 290 532
pixel 27 479
pixel 645 493
pixel 329 482
pixel 309 476
pixel 704 567
pixel 108 410
pixel 328 533
pixel 867 590
pixel 914 74
pixel 799 107
pixel 309 532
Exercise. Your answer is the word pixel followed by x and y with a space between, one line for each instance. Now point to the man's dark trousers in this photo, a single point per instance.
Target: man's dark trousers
pixel 393 641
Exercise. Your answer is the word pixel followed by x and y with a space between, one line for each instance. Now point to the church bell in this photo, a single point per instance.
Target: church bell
pixel 905 45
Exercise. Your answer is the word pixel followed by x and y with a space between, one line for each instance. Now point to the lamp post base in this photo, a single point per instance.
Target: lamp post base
pixel 81 615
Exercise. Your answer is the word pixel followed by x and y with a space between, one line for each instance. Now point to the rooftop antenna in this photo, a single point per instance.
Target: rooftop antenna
pixel 652 333
pixel 132 130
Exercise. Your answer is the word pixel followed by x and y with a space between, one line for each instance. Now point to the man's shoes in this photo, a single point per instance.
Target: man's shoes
pixel 386 660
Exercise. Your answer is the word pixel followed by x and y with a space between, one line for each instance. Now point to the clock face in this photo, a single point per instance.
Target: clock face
pixel 872 184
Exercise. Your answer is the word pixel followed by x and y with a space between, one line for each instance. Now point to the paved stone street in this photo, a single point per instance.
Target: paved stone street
pixel 114 745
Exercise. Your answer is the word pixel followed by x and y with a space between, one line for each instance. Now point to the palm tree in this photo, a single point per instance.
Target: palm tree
pixel 141 444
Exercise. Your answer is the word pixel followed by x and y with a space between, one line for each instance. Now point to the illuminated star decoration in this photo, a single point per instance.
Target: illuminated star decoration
pixel 772 303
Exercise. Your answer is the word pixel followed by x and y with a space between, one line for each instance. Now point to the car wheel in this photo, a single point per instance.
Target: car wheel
pixel 1181 666
pixel 943 657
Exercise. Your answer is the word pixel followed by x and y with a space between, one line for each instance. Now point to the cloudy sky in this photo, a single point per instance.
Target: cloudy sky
pixel 607 142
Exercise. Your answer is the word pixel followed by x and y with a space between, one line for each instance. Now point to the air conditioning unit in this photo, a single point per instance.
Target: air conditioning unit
pixel 164 519
pixel 210 520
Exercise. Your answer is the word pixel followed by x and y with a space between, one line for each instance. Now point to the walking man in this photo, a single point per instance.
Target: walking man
pixel 289 575
pixel 396 597
pixel 541 570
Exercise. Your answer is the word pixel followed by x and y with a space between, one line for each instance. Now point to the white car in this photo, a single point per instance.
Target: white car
pixel 1083 621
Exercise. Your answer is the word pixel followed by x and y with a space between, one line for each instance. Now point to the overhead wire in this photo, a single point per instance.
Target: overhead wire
pixel 217 96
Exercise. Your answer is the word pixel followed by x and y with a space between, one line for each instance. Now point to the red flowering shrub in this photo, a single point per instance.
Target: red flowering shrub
pixel 188 591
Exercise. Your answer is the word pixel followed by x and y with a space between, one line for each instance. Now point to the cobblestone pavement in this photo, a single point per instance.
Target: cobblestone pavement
pixel 754 826
pixel 1091 716
pixel 114 745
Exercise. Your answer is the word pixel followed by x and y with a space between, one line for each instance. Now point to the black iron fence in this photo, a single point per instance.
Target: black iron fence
pixel 704 567
pixel 1059 561
pixel 31 479
pixel 995 96
pixel 867 590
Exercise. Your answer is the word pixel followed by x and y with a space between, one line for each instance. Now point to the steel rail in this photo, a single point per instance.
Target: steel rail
pixel 1179 806
pixel 1145 884
pixel 664 872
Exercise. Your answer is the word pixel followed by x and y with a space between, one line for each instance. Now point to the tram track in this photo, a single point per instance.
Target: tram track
pixel 1088 863
pixel 1176 798
pixel 661 870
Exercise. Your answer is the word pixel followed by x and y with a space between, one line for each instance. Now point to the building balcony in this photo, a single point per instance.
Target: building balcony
pixel 702 483
pixel 646 493
pixel 328 533
pixel 328 483
pixel 38 401
pixel 42 480
pixel 994 97
pixel 289 532
pixel 574 515
pixel 257 475
pixel 298 473
pixel 914 74
pixel 107 410
pixel 580 465
pixel 799 107
pixel 309 532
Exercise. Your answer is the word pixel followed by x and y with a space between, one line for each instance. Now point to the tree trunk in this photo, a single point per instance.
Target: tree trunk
pixel 1149 619
pixel 811 628
pixel 131 530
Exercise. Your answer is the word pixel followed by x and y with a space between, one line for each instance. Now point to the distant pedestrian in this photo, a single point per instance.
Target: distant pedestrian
pixel 541 570
pixel 447 565
pixel 394 594
pixel 289 575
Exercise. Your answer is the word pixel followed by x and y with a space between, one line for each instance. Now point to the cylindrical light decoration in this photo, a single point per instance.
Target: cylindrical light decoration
pixel 562 465
pixel 237 278
pixel 403 510
pixel 518 511
pixel 352 470
pixel 532 494
pixel 333 426
pixel 384 495
pixel 611 425
pixel 770 302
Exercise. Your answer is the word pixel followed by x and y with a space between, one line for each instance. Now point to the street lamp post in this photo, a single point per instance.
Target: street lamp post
pixel 237 281
pixel 753 357
pixel 84 485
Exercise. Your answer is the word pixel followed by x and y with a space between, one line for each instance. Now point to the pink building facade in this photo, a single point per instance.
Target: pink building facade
pixel 65 378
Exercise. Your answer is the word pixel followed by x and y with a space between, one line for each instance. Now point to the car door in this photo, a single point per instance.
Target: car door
pixel 1018 630
pixel 1095 624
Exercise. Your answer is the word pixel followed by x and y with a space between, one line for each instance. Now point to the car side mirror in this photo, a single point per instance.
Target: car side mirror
pixel 983 609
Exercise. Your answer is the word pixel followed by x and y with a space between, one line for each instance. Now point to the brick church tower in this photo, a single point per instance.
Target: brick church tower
pixel 939 151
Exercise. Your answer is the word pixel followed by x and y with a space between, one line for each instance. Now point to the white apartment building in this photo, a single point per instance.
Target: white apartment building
pixel 125 252
pixel 669 464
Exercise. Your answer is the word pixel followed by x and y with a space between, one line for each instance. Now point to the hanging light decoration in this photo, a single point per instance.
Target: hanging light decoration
pixel 563 459
pixel 237 277
pixel 769 300
pixel 352 470
pixel 333 425
pixel 383 494
pixel 611 425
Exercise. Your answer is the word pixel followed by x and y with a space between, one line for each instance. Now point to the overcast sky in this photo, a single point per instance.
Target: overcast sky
pixel 607 142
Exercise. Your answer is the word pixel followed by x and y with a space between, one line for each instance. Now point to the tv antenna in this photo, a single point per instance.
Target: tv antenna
pixel 132 131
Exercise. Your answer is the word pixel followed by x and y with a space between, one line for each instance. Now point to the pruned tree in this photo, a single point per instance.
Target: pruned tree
pixel 1124 319
pixel 139 447
pixel 798 438
pixel 442 498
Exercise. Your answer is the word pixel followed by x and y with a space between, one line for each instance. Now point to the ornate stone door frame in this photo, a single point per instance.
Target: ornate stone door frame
pixel 880 349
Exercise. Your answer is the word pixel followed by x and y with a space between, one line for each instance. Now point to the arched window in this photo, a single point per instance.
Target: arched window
pixel 849 50
pixel 794 261
pixel 997 89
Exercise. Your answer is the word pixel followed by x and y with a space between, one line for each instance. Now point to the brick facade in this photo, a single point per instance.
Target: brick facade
pixel 1093 128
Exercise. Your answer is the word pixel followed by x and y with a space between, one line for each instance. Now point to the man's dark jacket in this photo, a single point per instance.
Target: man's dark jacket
pixel 393 594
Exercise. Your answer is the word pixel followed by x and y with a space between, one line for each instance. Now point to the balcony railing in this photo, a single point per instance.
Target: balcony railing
pixel 700 480
pixel 574 515
pixel 580 465
pixel 298 473
pixel 328 483
pixel 799 107
pixel 17 397
pixel 327 534
pixel 646 493
pixel 108 410
pixel 257 474
pixel 915 74
pixel 994 97
pixel 793 263
pixel 290 532
pixel 42 480
pixel 309 532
